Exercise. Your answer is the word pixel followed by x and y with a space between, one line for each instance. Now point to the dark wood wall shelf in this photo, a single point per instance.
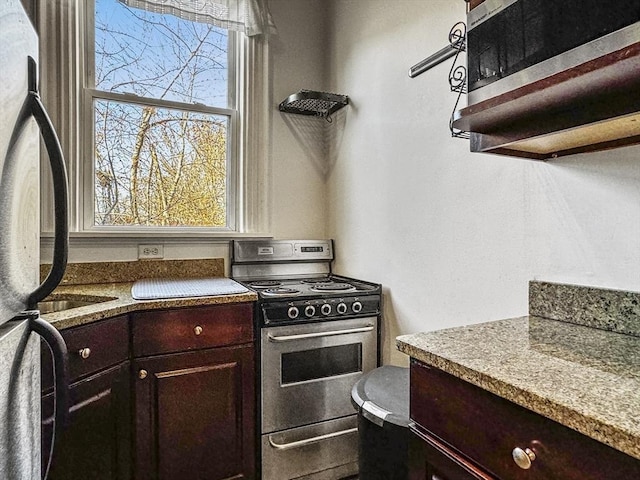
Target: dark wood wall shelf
pixel 594 106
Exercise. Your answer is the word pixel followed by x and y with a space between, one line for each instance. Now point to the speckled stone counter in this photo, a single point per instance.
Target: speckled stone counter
pixel 118 301
pixel 109 284
pixel 585 378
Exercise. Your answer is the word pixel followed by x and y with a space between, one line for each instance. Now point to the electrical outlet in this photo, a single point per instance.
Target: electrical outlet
pixel 150 251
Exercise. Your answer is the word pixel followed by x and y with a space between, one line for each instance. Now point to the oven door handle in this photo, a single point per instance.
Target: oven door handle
pixel 302 336
pixel 307 441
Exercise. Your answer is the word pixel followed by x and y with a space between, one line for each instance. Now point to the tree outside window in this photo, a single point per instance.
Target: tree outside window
pixel 162 113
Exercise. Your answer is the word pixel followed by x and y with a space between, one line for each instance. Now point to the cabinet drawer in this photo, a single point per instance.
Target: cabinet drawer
pixel 166 331
pixel 91 348
pixel 486 429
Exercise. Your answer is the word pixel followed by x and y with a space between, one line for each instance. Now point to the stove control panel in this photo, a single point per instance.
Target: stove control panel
pixel 300 311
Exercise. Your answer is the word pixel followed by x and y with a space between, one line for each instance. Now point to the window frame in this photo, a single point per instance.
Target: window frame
pixel 86 174
pixel 61 28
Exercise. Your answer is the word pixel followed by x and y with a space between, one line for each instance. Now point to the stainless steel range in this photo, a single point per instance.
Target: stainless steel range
pixel 319 333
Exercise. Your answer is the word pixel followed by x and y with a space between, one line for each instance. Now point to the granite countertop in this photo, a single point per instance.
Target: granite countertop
pixel 109 284
pixel 119 301
pixel 585 378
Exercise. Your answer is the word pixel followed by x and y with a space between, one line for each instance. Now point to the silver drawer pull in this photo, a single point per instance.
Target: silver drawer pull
pixel 307 441
pixel 84 352
pixel 523 458
pixel 302 336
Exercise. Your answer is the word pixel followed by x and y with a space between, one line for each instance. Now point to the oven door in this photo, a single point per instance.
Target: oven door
pixel 308 370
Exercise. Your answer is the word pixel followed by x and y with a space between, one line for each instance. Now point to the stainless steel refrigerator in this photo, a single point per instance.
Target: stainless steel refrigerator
pixel 23 123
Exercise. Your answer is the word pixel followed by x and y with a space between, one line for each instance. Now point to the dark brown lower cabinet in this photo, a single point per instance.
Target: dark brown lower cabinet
pixel 188 413
pixel 96 444
pixel 194 415
pixel 463 432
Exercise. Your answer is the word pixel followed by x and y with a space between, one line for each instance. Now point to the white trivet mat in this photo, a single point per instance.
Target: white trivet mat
pixel 156 288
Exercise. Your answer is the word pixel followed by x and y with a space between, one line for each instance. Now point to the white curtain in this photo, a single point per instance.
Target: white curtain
pixel 249 16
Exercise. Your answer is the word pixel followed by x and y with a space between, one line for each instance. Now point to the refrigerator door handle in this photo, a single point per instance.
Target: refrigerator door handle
pixel 54 340
pixel 56 344
pixel 60 193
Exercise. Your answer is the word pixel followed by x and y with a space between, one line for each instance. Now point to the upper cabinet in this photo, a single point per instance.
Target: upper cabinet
pixel 548 78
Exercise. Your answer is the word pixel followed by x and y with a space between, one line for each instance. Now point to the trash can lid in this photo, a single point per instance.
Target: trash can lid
pixel 382 396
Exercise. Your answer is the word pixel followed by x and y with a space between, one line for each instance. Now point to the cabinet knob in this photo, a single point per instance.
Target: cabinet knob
pixel 197 330
pixel 523 458
pixel 84 352
pixel 142 374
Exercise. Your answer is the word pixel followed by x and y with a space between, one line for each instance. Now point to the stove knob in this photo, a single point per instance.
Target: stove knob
pixel 325 309
pixel 293 312
pixel 356 307
pixel 341 308
pixel 310 310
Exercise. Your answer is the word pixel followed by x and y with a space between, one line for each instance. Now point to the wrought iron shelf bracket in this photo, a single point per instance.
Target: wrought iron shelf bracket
pixel 457 73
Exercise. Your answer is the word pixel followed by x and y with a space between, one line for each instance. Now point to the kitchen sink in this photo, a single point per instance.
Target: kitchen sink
pixel 66 303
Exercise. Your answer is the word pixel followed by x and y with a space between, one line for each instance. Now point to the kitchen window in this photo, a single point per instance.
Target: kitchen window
pixel 162 120
pixel 162 124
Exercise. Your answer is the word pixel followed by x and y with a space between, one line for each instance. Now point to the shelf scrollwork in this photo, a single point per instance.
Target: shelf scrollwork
pixel 458 72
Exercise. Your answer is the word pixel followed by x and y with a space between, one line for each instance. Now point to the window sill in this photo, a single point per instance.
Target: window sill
pixel 107 238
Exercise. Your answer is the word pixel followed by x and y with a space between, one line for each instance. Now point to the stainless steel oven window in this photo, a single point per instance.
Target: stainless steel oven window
pixel 318 363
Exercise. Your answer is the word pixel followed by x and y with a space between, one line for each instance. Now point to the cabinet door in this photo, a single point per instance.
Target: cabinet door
pixel 96 444
pixel 195 415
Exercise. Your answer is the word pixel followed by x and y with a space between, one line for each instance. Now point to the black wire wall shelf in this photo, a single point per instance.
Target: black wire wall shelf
pixel 313 103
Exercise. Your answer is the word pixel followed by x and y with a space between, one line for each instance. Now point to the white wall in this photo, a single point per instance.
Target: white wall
pixel 298 54
pixel 455 237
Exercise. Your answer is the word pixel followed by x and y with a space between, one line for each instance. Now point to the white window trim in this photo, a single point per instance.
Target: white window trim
pixel 62 65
